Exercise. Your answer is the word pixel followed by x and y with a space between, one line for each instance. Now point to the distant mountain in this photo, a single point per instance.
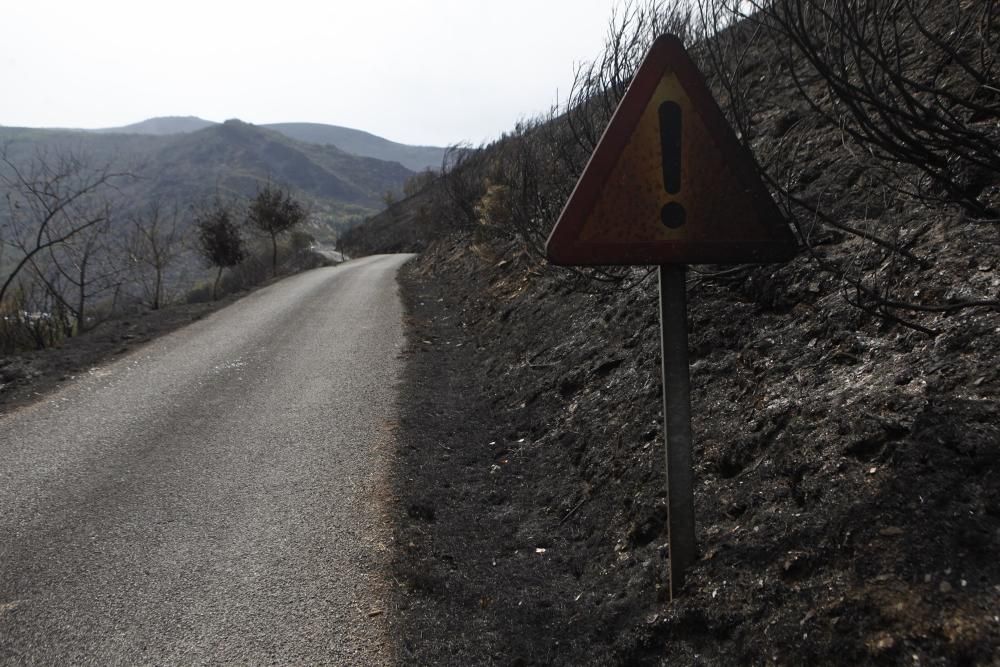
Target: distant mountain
pixel 416 158
pixel 231 159
pixel 161 126
pixel 357 142
pixel 236 156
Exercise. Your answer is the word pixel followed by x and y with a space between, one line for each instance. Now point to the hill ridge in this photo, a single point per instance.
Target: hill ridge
pixel 228 158
pixel 350 140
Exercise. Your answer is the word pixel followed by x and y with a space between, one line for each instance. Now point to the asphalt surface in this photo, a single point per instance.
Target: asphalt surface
pixel 217 496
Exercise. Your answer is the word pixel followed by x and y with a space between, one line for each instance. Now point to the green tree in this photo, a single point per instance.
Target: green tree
pixel 219 240
pixel 273 212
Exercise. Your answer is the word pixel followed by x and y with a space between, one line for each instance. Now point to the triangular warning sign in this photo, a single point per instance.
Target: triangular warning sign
pixel 669 183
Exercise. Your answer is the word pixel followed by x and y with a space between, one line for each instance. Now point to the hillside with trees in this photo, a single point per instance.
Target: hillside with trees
pixel 228 159
pixel 146 223
pixel 82 243
pixel 97 224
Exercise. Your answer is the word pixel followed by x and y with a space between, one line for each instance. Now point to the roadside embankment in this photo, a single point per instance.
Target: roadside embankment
pixel 847 472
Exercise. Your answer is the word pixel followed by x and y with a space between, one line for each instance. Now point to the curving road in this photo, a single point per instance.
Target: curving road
pixel 216 496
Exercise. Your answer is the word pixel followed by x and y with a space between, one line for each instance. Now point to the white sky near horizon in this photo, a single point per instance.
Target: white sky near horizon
pixel 434 72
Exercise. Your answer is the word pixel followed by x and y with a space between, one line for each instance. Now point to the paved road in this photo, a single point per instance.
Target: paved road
pixel 217 496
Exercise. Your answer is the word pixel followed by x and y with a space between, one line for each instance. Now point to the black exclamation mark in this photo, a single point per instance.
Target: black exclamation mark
pixel 673 213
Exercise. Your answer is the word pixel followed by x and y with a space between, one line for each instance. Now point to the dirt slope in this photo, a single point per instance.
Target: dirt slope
pixel 847 490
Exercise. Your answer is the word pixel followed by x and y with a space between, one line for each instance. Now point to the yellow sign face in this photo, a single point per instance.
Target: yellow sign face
pixel 669 182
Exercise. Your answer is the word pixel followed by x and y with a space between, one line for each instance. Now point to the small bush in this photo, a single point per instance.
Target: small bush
pixel 200 293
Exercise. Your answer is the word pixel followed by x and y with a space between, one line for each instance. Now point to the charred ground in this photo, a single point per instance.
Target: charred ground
pixel 847 496
pixel 847 449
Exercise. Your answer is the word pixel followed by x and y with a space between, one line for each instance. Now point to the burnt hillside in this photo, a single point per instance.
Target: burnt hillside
pixel 847 404
pixel 846 475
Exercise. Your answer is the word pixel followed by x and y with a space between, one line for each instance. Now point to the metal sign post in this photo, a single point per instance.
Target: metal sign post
pixel 677 423
pixel 669 184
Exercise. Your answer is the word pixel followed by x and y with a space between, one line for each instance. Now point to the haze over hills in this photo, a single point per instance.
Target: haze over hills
pixel 231 158
pixel 161 125
pixel 357 142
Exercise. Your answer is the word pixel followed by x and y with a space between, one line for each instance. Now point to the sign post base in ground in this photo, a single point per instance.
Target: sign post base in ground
pixel 677 423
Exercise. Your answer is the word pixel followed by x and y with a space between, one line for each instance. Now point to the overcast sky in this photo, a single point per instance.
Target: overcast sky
pixel 421 72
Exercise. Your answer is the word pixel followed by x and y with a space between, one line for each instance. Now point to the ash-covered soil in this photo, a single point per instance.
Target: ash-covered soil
pixel 847 470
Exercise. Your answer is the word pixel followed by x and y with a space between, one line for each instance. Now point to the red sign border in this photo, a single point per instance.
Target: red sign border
pixel 564 246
